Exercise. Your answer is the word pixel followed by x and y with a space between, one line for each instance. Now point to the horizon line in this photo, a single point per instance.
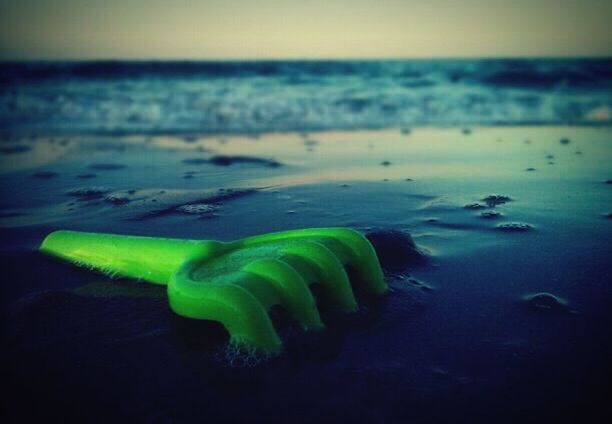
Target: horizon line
pixel 305 59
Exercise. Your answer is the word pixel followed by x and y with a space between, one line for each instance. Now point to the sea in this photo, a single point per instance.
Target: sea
pixel 118 97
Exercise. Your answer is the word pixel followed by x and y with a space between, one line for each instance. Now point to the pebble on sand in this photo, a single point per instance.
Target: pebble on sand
pixel 197 208
pixel 106 166
pixel 496 199
pixel 419 284
pixel 490 214
pixel 227 160
pixel 86 176
pixel 546 302
pixel 474 206
pixel 395 249
pixel 88 192
pixel 117 199
pixel 514 227
pixel 223 160
pixel 45 175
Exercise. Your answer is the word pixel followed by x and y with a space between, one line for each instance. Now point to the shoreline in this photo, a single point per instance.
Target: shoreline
pixel 305 132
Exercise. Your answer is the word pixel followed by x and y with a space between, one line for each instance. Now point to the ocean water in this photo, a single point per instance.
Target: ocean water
pixel 247 97
pixel 506 318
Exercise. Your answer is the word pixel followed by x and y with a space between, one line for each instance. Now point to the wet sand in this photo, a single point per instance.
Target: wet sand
pixel 507 319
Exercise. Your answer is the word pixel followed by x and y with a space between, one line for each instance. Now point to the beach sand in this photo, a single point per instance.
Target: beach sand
pixel 508 318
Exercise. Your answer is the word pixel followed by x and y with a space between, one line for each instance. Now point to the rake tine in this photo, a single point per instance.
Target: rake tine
pixel 291 289
pixel 240 312
pixel 329 271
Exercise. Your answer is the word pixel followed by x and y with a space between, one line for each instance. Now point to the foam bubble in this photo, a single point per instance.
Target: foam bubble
pixel 235 355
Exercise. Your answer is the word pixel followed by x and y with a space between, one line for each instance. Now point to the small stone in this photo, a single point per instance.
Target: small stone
pixel 88 192
pixel 496 199
pixel 106 166
pixel 224 160
pixel 490 215
pixel 117 199
pixel 395 249
pixel 197 208
pixel 546 302
pixel 419 284
pixel 474 206
pixel 86 176
pixel 45 175
pixel 511 227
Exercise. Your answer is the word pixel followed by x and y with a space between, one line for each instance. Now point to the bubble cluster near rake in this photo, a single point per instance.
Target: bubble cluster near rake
pixel 236 283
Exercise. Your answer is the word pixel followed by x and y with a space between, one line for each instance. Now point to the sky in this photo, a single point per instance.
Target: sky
pixel 296 29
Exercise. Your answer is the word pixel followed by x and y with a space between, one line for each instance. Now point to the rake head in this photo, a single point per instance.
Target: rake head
pixel 236 283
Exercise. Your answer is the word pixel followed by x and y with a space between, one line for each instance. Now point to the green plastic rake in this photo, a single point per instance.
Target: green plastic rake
pixel 236 283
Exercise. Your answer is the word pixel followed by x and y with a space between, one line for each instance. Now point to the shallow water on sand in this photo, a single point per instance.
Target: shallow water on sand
pixel 503 213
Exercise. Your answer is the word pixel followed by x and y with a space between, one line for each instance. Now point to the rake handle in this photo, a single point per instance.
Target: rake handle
pixel 151 259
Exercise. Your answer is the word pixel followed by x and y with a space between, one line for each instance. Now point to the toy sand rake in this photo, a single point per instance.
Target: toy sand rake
pixel 236 283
